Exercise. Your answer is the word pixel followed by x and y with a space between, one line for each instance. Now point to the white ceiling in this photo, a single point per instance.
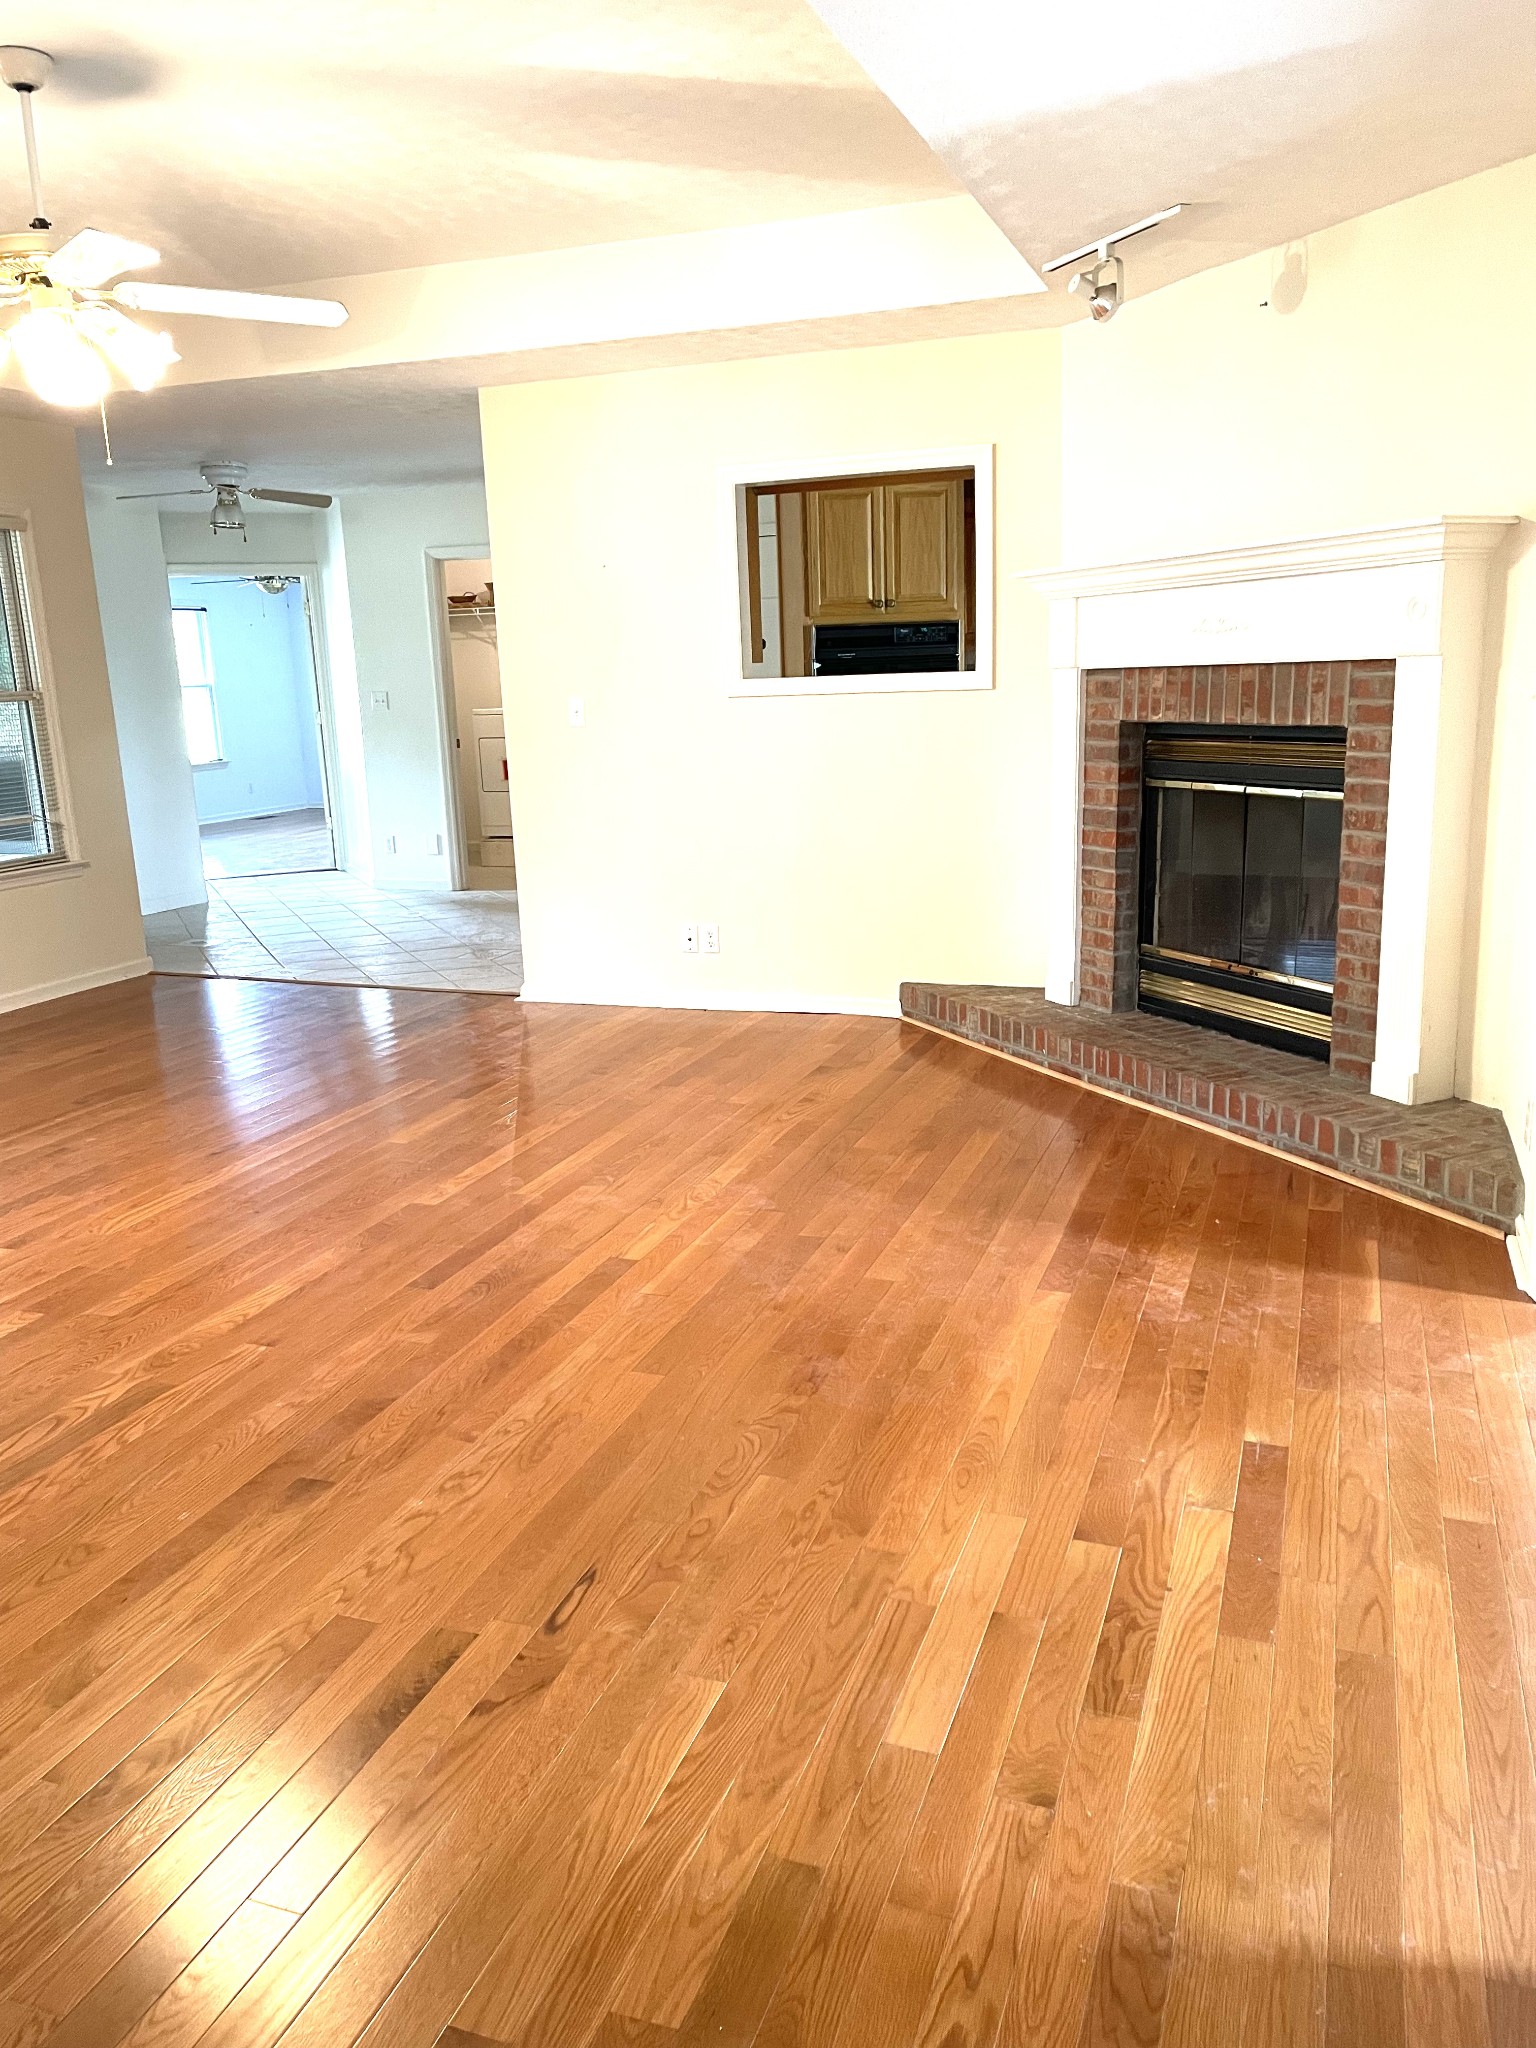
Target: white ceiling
pixel 1274 119
pixel 289 143
pixel 420 422
pixel 268 145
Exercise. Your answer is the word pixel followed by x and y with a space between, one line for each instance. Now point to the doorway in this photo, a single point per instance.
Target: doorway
pixel 482 803
pixel 254 722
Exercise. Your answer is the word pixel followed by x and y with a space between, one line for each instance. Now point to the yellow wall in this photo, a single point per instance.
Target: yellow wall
pixel 1402 386
pixel 845 843
pixel 841 843
pixel 77 930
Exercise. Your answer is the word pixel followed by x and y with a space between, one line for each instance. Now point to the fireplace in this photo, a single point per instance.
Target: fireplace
pixel 1239 879
pixel 1380 633
pixel 1240 867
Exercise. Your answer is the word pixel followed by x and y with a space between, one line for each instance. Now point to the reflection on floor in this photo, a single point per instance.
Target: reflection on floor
pixel 293 842
pixel 581 1526
pixel 334 928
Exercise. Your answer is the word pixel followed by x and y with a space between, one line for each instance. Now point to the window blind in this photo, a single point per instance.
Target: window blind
pixel 31 808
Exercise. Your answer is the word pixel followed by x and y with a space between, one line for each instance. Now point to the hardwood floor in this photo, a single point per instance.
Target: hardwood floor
pixel 579 1527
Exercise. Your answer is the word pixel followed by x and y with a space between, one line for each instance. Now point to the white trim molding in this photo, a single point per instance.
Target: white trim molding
pixel 777 469
pixel 25 873
pixel 1522 1251
pixel 75 984
pixel 1455 537
pixel 642 996
pixel 1416 595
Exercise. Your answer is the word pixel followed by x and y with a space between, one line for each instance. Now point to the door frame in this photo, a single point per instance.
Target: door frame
pixel 447 703
pixel 308 574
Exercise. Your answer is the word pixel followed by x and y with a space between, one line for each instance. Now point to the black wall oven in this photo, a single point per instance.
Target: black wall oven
pixel 1239 912
pixel 921 647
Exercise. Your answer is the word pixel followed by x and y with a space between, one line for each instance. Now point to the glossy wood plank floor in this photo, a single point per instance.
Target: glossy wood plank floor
pixel 562 1527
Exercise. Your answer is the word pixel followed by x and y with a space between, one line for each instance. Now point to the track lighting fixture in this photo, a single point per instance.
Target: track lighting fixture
pixel 1102 281
pixel 1103 285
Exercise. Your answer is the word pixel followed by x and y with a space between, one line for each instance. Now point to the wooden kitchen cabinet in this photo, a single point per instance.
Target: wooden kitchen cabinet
pixel 892 548
pixel 924 548
pixel 844 552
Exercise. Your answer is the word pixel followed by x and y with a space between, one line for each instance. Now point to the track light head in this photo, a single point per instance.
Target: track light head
pixel 1103 285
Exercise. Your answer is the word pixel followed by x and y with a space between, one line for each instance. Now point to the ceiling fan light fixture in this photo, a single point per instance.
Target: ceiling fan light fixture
pixel 57 361
pixel 226 516
pixel 73 335
pixel 141 355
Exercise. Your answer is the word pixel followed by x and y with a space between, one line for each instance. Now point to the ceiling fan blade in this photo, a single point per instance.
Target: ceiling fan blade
pixel 314 498
pixel 124 496
pixel 191 298
pixel 91 257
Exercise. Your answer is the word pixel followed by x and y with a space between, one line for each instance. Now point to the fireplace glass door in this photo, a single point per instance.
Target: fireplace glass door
pixel 1240 881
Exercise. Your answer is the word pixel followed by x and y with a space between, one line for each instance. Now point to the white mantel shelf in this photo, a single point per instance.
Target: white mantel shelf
pixel 1379 547
pixel 1416 595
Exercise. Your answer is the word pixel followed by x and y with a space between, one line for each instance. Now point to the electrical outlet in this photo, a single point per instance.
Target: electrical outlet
pixel 578 711
pixel 709 938
pixel 391 844
pixel 379 699
pixel 690 938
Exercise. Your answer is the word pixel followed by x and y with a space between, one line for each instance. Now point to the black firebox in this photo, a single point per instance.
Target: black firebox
pixel 1241 829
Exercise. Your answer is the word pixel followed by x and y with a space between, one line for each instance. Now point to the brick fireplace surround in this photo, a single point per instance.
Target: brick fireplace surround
pixel 1380 632
pixel 1118 706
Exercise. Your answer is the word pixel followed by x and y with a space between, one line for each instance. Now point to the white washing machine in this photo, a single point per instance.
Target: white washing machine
pixel 495 797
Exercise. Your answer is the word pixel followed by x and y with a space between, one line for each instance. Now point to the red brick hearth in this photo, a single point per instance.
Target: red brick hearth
pixel 1456 1156
pixel 1119 706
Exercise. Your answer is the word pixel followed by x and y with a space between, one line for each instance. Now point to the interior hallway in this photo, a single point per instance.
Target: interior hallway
pixel 296 842
pixel 331 927
pixel 601 1527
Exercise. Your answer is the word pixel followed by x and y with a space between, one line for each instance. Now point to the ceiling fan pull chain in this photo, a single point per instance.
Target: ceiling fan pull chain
pixel 34 174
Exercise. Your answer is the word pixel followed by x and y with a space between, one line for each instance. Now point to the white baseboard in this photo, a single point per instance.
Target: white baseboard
pixel 74 984
pixel 776 1000
pixel 1522 1252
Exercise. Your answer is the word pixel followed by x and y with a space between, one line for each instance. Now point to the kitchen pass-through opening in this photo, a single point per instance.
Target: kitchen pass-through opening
pixel 1241 832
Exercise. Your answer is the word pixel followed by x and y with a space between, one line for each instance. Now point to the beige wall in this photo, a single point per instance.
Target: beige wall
pixel 1402 386
pixel 81 929
pixel 843 843
pixel 380 541
pixel 840 843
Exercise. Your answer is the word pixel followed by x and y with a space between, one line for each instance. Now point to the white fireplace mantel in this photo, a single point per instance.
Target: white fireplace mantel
pixel 1416 595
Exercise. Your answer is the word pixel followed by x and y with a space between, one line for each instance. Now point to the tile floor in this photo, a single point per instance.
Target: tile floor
pixel 294 842
pixel 333 928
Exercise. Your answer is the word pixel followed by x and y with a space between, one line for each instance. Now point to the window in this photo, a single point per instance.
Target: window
pixel 32 830
pixel 865 578
pixel 199 706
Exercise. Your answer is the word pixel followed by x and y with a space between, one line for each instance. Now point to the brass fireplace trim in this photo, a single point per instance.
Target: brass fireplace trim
pixel 1168 988
pixel 1154 780
pixel 1236 747
pixel 1322 988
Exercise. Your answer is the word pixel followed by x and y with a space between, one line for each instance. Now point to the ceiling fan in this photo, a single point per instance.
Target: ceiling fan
pixel 272 582
pixel 227 482
pixel 72 332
